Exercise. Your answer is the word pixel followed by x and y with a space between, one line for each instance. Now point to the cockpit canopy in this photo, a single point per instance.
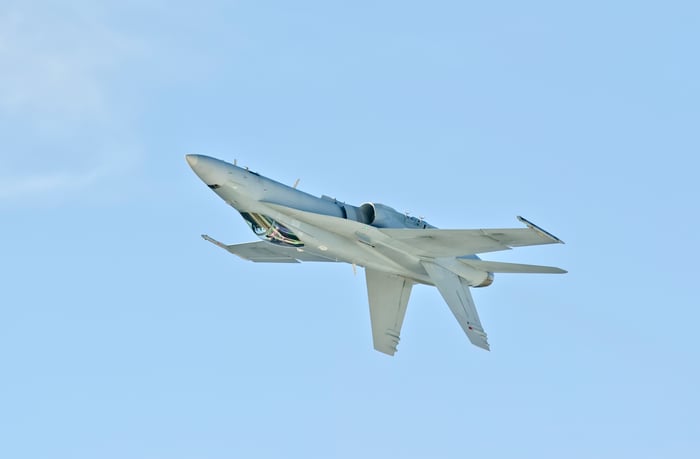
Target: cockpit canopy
pixel 270 230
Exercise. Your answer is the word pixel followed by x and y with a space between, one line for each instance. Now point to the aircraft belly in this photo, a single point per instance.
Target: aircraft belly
pixel 353 251
pixel 347 248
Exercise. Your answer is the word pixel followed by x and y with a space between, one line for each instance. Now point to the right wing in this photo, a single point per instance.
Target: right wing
pixel 388 296
pixel 436 243
pixel 267 252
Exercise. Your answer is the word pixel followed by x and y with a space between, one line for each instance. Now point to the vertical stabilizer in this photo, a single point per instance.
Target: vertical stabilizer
pixel 456 293
pixel 388 296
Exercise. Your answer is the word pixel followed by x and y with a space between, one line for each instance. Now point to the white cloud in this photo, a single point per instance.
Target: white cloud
pixel 60 110
pixel 60 183
pixel 56 61
pixel 41 184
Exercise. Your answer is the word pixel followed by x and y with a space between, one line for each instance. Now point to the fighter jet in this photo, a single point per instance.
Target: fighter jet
pixel 396 250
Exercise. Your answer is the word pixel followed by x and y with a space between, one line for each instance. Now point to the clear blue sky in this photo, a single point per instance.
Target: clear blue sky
pixel 124 335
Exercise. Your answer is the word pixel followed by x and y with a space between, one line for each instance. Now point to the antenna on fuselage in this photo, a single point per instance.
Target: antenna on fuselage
pixel 296 183
pixel 235 162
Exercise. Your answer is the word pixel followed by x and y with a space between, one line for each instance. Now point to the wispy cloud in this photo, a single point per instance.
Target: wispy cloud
pixel 57 61
pixel 59 183
pixel 61 69
pixel 40 184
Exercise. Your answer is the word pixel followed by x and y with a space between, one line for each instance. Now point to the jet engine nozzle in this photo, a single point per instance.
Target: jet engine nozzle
pixel 486 282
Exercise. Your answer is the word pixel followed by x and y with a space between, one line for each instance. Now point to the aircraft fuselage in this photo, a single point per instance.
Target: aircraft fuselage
pixel 253 194
pixel 396 250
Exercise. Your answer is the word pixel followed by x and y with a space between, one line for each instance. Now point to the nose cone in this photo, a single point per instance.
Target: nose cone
pixel 192 160
pixel 211 170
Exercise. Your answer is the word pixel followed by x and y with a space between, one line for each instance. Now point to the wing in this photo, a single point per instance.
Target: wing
pixel 456 293
pixel 447 242
pixel 430 243
pixel 267 252
pixel 388 296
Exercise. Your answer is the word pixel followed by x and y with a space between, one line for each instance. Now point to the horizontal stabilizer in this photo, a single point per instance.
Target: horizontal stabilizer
pixel 267 252
pixel 499 267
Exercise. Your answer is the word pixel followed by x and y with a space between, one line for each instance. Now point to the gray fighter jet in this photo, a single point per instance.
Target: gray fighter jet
pixel 396 250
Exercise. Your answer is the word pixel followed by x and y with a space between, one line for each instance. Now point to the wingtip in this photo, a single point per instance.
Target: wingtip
pixel 214 241
pixel 542 231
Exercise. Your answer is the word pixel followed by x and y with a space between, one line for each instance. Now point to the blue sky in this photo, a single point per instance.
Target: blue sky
pixel 123 334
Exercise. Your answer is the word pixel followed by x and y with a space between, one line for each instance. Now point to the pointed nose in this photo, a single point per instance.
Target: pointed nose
pixel 211 171
pixel 192 160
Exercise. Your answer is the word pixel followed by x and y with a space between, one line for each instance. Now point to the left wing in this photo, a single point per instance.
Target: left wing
pixel 430 242
pixel 457 242
pixel 267 252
